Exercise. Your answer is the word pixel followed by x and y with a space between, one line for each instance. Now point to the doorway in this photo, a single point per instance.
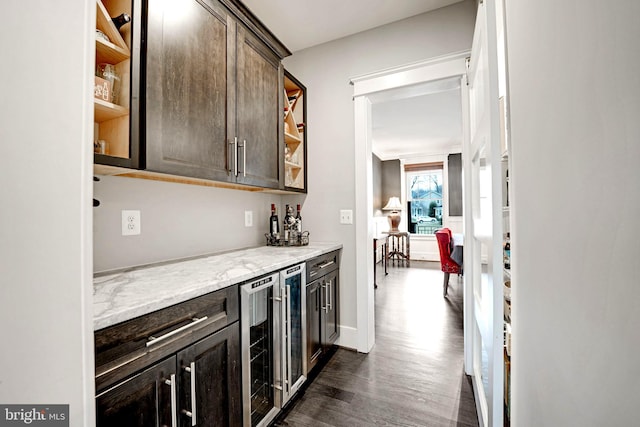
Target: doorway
pixel 366 90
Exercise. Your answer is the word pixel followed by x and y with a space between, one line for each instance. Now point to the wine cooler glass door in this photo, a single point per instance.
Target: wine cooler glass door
pixel 294 329
pixel 259 351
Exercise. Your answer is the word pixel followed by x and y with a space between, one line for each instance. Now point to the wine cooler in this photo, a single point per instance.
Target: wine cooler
pixel 261 308
pixel 294 330
pixel 273 321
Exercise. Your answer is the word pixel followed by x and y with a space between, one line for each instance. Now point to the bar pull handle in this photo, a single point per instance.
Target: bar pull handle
pixel 316 268
pixel 154 340
pixel 329 296
pixel 326 264
pixel 234 166
pixel 174 404
pixel 244 157
pixel 323 297
pixel 192 414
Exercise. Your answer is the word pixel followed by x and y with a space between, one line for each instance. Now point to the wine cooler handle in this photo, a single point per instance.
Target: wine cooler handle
pixel 192 414
pixel 288 379
pixel 174 403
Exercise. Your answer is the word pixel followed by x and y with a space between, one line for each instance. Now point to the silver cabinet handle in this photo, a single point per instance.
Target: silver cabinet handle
pixel 329 296
pixel 320 267
pixel 174 404
pixel 244 157
pixel 326 264
pixel 234 166
pixel 154 340
pixel 323 297
pixel 192 414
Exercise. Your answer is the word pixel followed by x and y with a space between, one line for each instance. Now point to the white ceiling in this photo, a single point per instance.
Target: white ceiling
pixel 406 123
pixel 424 119
pixel 300 24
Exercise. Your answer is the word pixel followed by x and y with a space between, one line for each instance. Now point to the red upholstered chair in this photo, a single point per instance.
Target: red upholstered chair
pixel 447 265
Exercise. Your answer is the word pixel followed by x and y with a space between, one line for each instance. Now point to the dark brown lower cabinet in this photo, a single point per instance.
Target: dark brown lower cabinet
pixel 323 311
pixel 314 340
pixel 200 385
pixel 209 381
pixel 142 400
pixel 330 320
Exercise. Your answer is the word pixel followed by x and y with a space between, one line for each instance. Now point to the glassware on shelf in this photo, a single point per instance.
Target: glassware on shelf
pixel 109 73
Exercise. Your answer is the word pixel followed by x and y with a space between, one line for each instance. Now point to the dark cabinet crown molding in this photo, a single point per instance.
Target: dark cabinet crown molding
pixel 244 15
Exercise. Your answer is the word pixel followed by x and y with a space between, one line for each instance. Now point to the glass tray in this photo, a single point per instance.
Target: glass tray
pixel 297 239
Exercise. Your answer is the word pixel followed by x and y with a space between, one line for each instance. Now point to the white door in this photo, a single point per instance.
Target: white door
pixel 483 226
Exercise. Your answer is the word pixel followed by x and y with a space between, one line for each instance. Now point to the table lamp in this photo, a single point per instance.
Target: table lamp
pixel 395 207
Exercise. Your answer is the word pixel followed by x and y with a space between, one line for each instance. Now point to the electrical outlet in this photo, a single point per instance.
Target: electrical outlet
pixel 248 218
pixel 130 223
pixel 346 216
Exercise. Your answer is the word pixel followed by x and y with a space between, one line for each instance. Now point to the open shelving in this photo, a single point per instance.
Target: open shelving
pixel 111 121
pixel 294 134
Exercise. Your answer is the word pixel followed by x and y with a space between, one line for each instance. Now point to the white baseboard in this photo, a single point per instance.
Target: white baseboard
pixel 425 256
pixel 348 337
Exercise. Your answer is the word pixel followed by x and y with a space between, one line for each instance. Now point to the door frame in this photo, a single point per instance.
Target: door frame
pixel 442 67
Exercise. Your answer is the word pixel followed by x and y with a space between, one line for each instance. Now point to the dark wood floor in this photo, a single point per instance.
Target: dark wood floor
pixel 413 376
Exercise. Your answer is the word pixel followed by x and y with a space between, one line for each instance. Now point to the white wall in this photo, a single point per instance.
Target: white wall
pixel 177 221
pixel 46 324
pixel 326 71
pixel 575 104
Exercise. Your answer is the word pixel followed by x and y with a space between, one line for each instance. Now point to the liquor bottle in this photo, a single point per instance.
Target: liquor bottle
pixel 120 20
pixel 286 223
pixel 298 220
pixel 274 224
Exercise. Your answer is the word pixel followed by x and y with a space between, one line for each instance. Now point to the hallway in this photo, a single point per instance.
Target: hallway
pixel 414 374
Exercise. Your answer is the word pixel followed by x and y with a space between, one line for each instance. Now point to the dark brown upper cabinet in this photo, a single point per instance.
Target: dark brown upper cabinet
pixel 211 89
pixel 258 102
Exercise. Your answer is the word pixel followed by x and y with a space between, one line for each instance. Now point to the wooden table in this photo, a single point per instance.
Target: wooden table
pixel 399 247
pixel 383 242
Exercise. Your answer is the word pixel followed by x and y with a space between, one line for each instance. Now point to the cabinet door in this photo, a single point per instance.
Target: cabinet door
pixel 331 312
pixel 258 111
pixel 209 380
pixel 314 307
pixel 143 400
pixel 187 88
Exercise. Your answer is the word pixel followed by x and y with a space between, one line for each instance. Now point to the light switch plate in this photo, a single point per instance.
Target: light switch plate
pixel 130 223
pixel 346 216
pixel 248 218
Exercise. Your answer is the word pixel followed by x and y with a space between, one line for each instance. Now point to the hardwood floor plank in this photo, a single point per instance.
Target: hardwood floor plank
pixel 414 375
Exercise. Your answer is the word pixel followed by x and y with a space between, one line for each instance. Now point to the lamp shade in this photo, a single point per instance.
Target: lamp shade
pixel 393 204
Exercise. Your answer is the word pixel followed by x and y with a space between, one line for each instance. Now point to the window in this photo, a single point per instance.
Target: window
pixel 424 194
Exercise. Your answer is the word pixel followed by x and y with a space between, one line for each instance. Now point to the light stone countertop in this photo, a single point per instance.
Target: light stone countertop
pixel 130 293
